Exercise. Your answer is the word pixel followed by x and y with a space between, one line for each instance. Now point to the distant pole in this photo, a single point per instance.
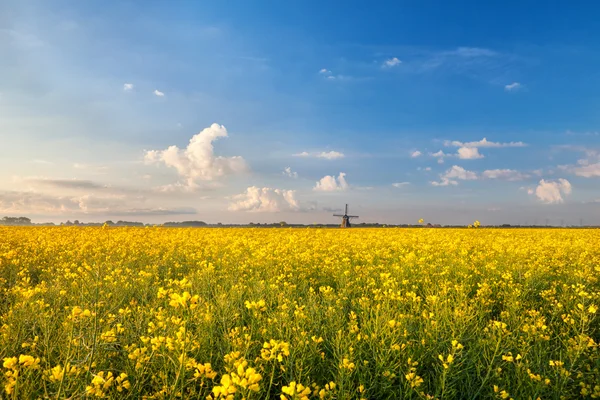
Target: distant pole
pixel 547 222
pixel 581 222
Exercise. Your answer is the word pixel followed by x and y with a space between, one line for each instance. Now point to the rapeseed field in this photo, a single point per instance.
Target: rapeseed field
pixel 299 313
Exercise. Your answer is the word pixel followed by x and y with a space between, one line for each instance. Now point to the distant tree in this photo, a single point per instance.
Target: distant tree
pixel 15 221
pixel 76 222
pixel 282 223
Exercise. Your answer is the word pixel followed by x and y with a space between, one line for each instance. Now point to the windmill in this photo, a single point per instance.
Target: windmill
pixel 345 218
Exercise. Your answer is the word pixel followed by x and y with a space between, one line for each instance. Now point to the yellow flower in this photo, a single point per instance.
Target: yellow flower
pixel 10 363
pixel 28 361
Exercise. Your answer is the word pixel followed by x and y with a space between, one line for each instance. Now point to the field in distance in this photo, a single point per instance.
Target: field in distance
pixel 299 313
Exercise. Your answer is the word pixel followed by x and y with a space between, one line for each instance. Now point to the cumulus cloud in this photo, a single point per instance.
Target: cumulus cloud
pixel 551 192
pixel 453 174
pixel 158 93
pixel 440 155
pixel 469 153
pixel 127 87
pixel 328 155
pixel 198 162
pixel 400 184
pixel 330 183
pixel 512 87
pixel 288 172
pixel 416 154
pixel 392 62
pixel 325 71
pixel 504 174
pixel 264 199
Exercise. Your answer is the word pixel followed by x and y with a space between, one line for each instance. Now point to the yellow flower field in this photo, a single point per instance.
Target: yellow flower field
pixel 299 313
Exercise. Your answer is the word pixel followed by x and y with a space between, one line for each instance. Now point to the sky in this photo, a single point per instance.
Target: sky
pixel 266 111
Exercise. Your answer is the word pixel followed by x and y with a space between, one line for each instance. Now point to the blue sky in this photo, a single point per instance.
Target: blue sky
pixel 405 110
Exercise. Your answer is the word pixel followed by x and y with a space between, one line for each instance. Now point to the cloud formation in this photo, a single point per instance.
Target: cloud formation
pixel 68 183
pixel 483 143
pixel 504 174
pixel 264 199
pixel 392 62
pixel 158 93
pixel 587 170
pixel 197 162
pixel 453 174
pixel 14 202
pixel 400 184
pixel 468 153
pixel 288 172
pixel 470 150
pixel 512 87
pixel 127 87
pixel 330 183
pixel 551 192
pixel 416 154
pixel 440 155
pixel 328 155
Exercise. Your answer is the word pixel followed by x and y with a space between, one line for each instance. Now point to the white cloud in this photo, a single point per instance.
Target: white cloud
pixel 127 87
pixel 392 62
pixel 451 175
pixel 416 154
pixel 587 170
pixel 483 143
pixel 512 87
pixel 330 183
pixel 439 155
pixel 551 192
pixel 460 173
pixel 444 182
pixel 158 93
pixel 469 153
pixel 264 199
pixel 400 184
pixel 329 155
pixel 288 172
pixel 325 71
pixel 197 162
pixel 504 174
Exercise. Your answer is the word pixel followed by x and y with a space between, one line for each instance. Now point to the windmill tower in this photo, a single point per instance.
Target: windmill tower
pixel 345 218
